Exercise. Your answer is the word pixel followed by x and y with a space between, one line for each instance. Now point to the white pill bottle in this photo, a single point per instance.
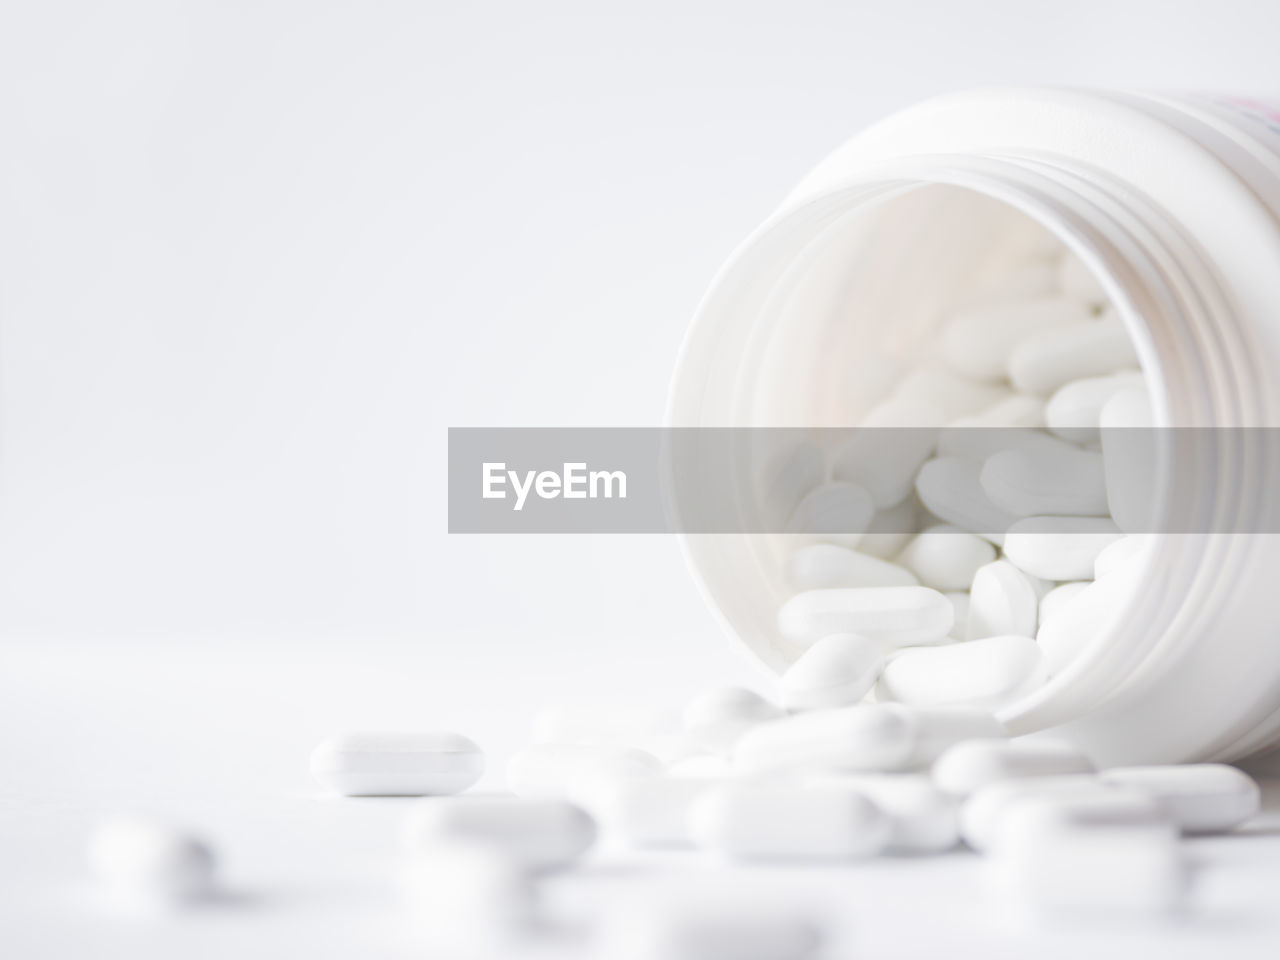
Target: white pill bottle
pixel 1174 203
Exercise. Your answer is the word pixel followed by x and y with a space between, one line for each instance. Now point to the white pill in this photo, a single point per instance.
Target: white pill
pixel 1100 856
pixel 951 488
pixel 891 616
pixel 1059 481
pixel 891 528
pixel 1059 548
pixel 1201 797
pixel 1077 281
pixel 864 737
pixel 145 863
pixel 924 820
pixel 1047 361
pixel 837 671
pixel 835 513
pixel 397 764
pixel 978 342
pixel 1003 601
pixel 468 899
pixel 602 726
pixel 945 557
pixel 1130 452
pixel 959 600
pixel 788 821
pixel 651 813
pixel 987 673
pixel 1131 549
pixel 694 927
pixel 541 834
pixel 973 764
pixel 822 565
pixel 1056 600
pixel 559 771
pixel 714 720
pixel 1074 412
pixel 986 810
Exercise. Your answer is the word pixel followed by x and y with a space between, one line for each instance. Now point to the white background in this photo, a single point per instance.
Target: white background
pixel 256 258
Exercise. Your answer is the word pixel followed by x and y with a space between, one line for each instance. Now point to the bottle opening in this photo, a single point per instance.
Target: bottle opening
pixel 954 360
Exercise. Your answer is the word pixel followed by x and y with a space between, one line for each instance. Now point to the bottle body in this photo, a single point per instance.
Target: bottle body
pixel 1175 206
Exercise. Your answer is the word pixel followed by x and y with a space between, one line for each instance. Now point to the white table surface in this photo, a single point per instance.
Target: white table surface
pixel 216 736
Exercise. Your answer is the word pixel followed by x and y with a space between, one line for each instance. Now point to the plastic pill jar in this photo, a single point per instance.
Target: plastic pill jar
pixel 1173 202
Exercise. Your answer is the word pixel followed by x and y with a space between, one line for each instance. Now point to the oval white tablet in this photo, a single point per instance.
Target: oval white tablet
pixel 1059 548
pixel 1003 601
pixel 397 764
pixel 864 737
pixel 1046 481
pixel 945 557
pixel 1201 797
pixel 986 673
pixel 837 671
pixel 788 822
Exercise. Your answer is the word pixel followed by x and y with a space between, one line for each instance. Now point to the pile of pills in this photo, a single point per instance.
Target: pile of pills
pixel 950 550
pixel 748 780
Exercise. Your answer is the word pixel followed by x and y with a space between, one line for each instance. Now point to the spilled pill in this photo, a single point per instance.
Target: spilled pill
pixel 837 671
pixel 397 764
pixel 1200 797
